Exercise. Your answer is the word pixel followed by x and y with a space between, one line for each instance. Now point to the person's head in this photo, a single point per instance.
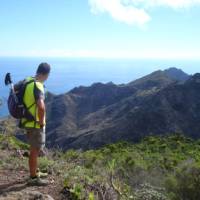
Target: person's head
pixel 43 71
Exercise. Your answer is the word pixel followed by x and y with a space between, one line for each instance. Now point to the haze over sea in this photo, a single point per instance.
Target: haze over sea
pixel 68 73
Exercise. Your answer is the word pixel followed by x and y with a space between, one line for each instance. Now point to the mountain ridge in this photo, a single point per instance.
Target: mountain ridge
pixel 89 117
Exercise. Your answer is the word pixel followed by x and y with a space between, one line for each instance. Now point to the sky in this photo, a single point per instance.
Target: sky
pixel 164 29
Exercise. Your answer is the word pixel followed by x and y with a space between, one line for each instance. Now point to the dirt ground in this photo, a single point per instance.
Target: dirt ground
pixel 14 180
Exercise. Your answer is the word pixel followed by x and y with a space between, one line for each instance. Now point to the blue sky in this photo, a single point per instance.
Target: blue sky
pixel 101 28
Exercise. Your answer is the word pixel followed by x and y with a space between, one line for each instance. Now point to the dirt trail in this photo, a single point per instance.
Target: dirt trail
pixel 14 182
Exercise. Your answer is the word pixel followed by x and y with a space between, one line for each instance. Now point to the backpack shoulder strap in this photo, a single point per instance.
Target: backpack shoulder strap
pixel 27 82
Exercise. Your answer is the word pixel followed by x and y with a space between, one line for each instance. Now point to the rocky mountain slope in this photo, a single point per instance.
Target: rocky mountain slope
pixel 159 103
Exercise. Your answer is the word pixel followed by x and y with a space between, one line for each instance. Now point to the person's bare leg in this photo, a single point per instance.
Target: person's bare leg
pixel 33 161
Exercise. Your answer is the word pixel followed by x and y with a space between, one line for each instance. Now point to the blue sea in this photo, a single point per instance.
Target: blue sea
pixel 68 73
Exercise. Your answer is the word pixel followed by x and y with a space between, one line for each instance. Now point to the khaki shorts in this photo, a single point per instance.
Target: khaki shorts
pixel 36 137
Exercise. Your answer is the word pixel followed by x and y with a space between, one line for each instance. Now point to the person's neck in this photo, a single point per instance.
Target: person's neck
pixel 38 78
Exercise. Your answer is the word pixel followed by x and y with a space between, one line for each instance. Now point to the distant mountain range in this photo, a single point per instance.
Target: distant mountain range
pixel 162 102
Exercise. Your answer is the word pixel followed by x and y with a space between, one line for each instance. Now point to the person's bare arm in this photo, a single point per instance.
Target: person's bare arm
pixel 41 111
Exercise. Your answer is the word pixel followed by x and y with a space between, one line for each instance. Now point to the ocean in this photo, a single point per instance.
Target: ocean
pixel 68 73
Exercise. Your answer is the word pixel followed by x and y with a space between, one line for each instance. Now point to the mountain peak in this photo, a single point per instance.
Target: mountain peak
pixel 173 69
pixel 194 79
pixel 161 78
pixel 177 74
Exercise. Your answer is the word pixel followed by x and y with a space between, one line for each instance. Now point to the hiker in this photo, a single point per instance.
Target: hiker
pixel 34 101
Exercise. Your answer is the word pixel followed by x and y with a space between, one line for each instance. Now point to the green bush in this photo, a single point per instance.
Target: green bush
pixel 45 164
pixel 12 142
pixel 185 183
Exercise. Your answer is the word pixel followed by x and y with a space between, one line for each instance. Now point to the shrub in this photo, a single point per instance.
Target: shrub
pixel 185 183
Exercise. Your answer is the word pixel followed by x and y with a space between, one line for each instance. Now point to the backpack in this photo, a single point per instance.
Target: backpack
pixel 16 106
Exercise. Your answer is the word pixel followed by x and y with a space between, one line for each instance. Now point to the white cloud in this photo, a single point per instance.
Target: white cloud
pixel 120 11
pixel 171 3
pixel 135 12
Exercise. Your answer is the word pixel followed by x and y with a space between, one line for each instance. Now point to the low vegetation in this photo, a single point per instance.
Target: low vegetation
pixel 157 168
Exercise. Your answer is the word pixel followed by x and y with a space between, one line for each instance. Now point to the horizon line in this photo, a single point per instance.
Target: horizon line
pixel 101 58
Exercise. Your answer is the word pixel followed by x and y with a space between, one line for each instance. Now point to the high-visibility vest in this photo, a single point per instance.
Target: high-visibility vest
pixel 29 101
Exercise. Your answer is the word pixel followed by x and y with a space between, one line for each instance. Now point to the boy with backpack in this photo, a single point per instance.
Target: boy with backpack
pixel 32 116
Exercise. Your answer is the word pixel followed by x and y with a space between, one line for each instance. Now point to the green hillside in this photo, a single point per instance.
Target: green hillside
pixel 158 168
